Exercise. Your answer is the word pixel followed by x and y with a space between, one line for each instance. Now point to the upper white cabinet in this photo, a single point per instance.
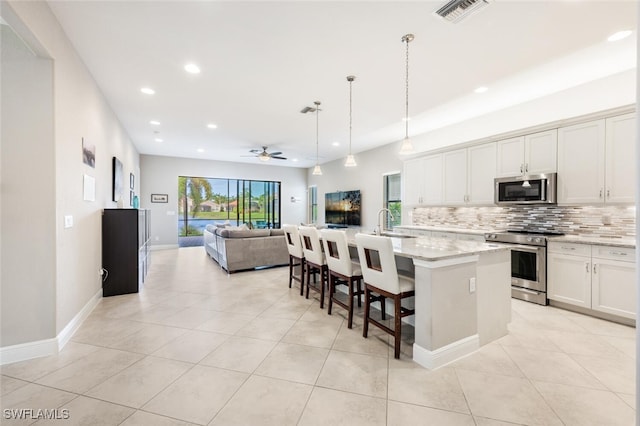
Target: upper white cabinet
pixel 530 154
pixel 482 170
pixel 620 170
pixel 423 181
pixel 455 177
pixel 596 161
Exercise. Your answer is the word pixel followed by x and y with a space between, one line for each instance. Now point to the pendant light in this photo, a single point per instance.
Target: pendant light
pixel 317 170
pixel 351 162
pixel 407 146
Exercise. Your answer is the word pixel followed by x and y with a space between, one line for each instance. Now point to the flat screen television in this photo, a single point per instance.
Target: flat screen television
pixel 342 208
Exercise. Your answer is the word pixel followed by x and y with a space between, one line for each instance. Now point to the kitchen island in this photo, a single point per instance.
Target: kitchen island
pixel 462 296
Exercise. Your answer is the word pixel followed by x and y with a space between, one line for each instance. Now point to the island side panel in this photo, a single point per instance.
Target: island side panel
pixel 494 295
pixel 446 311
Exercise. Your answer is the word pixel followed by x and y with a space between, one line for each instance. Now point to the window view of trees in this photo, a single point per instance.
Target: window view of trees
pixel 203 201
pixel 392 199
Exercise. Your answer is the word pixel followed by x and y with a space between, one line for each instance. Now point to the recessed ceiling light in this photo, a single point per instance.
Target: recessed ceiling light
pixel 619 35
pixel 154 122
pixel 158 140
pixel 212 126
pixel 147 91
pixel 481 89
pixel 200 150
pixel 336 144
pixel 192 69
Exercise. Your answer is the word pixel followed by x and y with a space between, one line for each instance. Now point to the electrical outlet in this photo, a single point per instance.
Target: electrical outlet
pixel 68 221
pixel 472 285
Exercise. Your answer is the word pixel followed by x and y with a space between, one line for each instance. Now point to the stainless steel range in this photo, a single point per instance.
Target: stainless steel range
pixel 528 263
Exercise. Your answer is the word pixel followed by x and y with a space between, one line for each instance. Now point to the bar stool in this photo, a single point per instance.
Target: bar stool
pixel 294 246
pixel 381 277
pixel 342 270
pixel 315 260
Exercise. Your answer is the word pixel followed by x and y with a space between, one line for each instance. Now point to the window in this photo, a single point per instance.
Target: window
pixel 313 204
pixel 204 201
pixel 392 200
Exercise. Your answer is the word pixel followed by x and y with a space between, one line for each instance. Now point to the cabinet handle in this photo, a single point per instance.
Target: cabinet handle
pixel 617 253
pixel 608 193
pixel 600 196
pixel 568 248
pixel 595 268
pixel 526 167
pixel 521 168
pixel 587 266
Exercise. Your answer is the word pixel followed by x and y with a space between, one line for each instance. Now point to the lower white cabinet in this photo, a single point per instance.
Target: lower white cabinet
pixel 595 277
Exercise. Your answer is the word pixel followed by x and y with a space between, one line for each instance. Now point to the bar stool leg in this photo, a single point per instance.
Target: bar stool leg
pixel 332 289
pixel 350 320
pixel 367 305
pixel 397 329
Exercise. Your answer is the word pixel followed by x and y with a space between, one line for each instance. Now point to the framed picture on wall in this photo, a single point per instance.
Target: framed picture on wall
pixel 159 198
pixel 117 179
pixel 131 181
pixel 88 154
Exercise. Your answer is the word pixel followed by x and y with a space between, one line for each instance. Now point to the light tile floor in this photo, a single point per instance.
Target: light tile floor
pixel 198 346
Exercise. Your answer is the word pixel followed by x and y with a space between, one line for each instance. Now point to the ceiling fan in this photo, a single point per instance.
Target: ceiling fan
pixel 266 156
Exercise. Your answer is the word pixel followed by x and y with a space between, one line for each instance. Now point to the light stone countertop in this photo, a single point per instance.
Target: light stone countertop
pixel 433 249
pixel 627 242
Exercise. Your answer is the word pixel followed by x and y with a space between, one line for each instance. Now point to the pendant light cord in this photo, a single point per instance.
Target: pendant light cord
pixel 406 104
pixel 350 109
pixel 317 131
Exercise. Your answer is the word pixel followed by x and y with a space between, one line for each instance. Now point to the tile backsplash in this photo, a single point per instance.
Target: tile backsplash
pixel 572 220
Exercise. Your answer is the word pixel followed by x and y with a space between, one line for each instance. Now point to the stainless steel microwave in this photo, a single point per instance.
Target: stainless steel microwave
pixel 527 189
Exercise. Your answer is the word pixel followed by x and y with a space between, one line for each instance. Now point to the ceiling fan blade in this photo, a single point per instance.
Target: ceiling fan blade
pixel 279 158
pixel 276 153
pixel 248 156
pixel 255 151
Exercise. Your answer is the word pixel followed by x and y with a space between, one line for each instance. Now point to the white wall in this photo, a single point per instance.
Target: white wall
pixel 367 177
pixel 80 111
pixel 160 176
pixel 27 266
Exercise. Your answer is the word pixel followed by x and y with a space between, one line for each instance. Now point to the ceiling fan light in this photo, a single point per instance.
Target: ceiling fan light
pixel 317 171
pixel 264 157
pixel 407 147
pixel 351 161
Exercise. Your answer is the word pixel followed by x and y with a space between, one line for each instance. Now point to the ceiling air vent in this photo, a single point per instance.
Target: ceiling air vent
pixel 457 10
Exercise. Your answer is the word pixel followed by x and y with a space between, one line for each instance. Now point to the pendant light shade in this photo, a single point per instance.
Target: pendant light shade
pixel 317 171
pixel 351 161
pixel 407 146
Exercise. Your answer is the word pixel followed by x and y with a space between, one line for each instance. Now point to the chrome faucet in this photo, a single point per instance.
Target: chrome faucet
pixel 380 228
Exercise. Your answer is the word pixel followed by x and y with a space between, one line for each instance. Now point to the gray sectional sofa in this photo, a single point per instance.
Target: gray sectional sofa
pixel 239 249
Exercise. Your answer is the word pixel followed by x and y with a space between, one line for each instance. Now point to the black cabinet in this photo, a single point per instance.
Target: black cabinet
pixel 125 250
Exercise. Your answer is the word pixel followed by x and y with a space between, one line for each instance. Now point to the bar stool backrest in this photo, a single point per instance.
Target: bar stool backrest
pixel 311 246
pixel 378 262
pixel 336 250
pixel 294 244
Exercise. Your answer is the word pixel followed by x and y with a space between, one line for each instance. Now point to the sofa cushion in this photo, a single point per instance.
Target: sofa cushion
pixel 243 233
pixel 211 228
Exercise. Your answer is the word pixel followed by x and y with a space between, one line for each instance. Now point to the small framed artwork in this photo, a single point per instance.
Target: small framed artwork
pixel 131 198
pixel 159 198
pixel 88 154
pixel 131 180
pixel 117 179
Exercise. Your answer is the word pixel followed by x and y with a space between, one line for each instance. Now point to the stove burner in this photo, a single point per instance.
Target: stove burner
pixel 543 233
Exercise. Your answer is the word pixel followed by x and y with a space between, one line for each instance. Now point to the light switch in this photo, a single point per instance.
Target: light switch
pixel 68 221
pixel 472 284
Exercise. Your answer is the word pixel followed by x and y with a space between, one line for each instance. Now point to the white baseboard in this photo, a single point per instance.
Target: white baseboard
pixel 46 347
pixel 163 247
pixel 446 354
pixel 65 335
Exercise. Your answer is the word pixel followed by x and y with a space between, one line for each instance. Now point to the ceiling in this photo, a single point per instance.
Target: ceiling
pixel 262 62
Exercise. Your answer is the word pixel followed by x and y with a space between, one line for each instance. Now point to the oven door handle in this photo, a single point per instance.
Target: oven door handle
pixel 529 249
pixel 524 290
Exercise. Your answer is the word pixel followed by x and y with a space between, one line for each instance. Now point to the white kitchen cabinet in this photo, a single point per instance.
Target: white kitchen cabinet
pixel 481 172
pixel 601 278
pixel 455 177
pixel 569 278
pixel 529 154
pixel 614 281
pixel 620 168
pixel 468 175
pixel 581 150
pixel 596 161
pixel 423 181
pixel 413 177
